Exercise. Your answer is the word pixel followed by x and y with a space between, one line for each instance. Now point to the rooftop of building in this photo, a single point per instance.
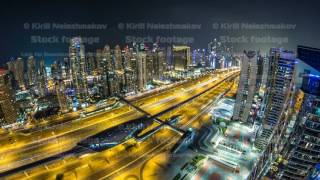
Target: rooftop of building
pixel 308 48
pixel 179 48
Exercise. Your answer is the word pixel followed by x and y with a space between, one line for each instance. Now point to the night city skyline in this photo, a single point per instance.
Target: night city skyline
pixel 160 90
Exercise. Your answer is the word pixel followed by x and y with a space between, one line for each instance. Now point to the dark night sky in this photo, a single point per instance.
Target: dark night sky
pixel 16 41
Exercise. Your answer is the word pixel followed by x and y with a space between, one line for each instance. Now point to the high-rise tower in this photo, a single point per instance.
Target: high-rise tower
pixel 249 85
pixel 78 69
pixel 61 96
pixel 31 65
pixel 17 68
pixel 181 57
pixel 302 150
pixel 280 91
pixel 42 78
pixel 142 70
pixel 8 113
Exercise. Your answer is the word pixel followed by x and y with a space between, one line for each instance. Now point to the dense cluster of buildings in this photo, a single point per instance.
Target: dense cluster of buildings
pixel 278 98
pixel 285 116
pixel 35 90
pixel 301 151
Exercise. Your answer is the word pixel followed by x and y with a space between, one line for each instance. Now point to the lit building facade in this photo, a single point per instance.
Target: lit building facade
pixel 149 66
pixel 77 62
pixel 249 85
pixel 280 91
pixel 303 148
pixel 8 113
pixel 117 59
pixel 42 78
pixel 17 68
pixel 103 58
pixel 61 96
pixel 279 101
pixel 181 58
pixel 142 70
pixel 31 71
pixel 159 63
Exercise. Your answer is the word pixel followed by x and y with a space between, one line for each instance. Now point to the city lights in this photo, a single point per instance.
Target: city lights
pixel 160 90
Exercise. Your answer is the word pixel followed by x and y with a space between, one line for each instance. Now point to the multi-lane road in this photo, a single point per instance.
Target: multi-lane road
pixel 52 141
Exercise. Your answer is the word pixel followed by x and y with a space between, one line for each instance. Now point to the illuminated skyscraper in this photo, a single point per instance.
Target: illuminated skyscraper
pixel 216 49
pixel 119 67
pixel 42 78
pixel 31 64
pixel 109 78
pixel 78 69
pixel 199 57
pixel 181 57
pixel 149 66
pixel 279 95
pixel 64 69
pixel 302 149
pixel 127 55
pixel 98 57
pixel 55 70
pixel 66 65
pixel 61 96
pixel 249 85
pixel 134 72
pixel 279 100
pixel 117 58
pixel 159 63
pixel 91 64
pixel 142 70
pixel 17 68
pixel 11 69
pixel 169 57
pixel 105 68
pixel 131 83
pixel 107 59
pixel 212 46
pixel 128 73
pixel 8 113
pixel 102 83
pixel 113 82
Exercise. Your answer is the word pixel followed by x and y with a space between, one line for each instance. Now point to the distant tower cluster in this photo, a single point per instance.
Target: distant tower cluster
pixel 84 78
pixel 220 56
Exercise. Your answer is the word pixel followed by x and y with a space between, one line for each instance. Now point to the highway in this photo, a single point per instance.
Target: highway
pixel 21 139
pixel 66 137
pixel 195 114
pixel 192 113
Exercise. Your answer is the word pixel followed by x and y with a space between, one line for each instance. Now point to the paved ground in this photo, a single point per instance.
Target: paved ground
pixel 235 147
